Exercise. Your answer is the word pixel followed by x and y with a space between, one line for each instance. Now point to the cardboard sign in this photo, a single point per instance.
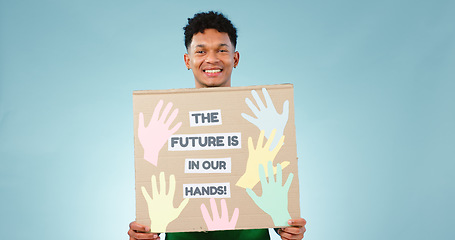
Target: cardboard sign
pixel 215 158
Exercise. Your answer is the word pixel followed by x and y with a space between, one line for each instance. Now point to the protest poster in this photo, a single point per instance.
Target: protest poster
pixel 204 158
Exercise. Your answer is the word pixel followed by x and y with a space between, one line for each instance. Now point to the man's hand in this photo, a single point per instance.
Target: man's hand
pixel 295 231
pixel 138 231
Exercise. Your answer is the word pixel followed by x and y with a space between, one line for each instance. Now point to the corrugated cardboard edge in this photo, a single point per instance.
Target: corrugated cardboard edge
pixel 214 89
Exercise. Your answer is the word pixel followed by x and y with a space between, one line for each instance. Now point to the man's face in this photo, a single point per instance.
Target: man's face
pixel 211 56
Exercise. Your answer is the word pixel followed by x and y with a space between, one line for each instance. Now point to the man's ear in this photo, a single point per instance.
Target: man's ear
pixel 236 58
pixel 186 58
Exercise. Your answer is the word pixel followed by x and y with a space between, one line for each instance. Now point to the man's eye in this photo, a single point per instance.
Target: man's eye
pixel 199 51
pixel 222 50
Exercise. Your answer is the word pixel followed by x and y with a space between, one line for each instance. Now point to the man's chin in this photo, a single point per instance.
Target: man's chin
pixel 213 83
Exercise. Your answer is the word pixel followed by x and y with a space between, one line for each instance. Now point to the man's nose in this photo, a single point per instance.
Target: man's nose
pixel 212 57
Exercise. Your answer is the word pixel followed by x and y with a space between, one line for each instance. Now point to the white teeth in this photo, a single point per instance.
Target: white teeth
pixel 213 71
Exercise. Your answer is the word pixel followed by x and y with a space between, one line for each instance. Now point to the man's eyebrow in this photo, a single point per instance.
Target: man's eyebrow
pixel 203 45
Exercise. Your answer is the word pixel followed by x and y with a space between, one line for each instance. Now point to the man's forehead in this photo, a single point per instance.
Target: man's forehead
pixel 210 37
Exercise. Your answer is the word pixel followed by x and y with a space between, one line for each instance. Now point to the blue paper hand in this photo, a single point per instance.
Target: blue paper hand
pixel 267 118
pixel 274 199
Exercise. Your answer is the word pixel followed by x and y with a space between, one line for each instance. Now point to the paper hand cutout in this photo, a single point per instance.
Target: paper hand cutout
pixel 274 199
pixel 259 156
pixel 219 223
pixel 161 205
pixel 155 135
pixel 267 118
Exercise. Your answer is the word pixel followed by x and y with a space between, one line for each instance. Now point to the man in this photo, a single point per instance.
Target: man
pixel 210 40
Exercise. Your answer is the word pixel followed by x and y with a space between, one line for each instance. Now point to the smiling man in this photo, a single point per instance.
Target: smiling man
pixel 210 40
pixel 211 52
pixel 211 55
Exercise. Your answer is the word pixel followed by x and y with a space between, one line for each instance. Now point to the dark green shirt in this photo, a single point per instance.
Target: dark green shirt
pixel 248 234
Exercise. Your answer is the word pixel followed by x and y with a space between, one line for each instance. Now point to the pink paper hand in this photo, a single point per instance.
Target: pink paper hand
pixel 155 135
pixel 219 223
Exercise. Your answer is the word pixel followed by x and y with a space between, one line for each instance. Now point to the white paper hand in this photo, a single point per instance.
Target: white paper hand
pixel 267 118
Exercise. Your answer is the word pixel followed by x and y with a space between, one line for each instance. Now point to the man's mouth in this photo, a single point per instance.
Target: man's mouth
pixel 212 71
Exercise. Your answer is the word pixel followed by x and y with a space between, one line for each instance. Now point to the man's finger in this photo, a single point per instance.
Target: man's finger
pixel 142 236
pixel 296 231
pixel 139 227
pixel 293 230
pixel 285 236
pixel 297 222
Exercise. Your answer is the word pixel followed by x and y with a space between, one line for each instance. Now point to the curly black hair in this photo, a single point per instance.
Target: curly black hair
pixel 209 20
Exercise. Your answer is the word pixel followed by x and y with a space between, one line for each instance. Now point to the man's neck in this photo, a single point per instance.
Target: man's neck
pixel 203 87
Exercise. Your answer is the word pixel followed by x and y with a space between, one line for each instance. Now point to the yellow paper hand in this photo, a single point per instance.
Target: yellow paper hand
pixel 161 205
pixel 258 156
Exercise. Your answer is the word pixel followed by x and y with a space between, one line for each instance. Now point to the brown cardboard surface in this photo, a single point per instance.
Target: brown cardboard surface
pixel 229 104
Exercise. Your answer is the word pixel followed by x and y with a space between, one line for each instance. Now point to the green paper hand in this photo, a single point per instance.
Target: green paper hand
pixel 161 205
pixel 274 199
pixel 260 155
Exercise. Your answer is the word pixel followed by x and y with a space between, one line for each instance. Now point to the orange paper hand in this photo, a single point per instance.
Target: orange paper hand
pixel 258 156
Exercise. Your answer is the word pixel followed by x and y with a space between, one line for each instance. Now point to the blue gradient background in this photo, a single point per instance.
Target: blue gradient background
pixel 374 85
